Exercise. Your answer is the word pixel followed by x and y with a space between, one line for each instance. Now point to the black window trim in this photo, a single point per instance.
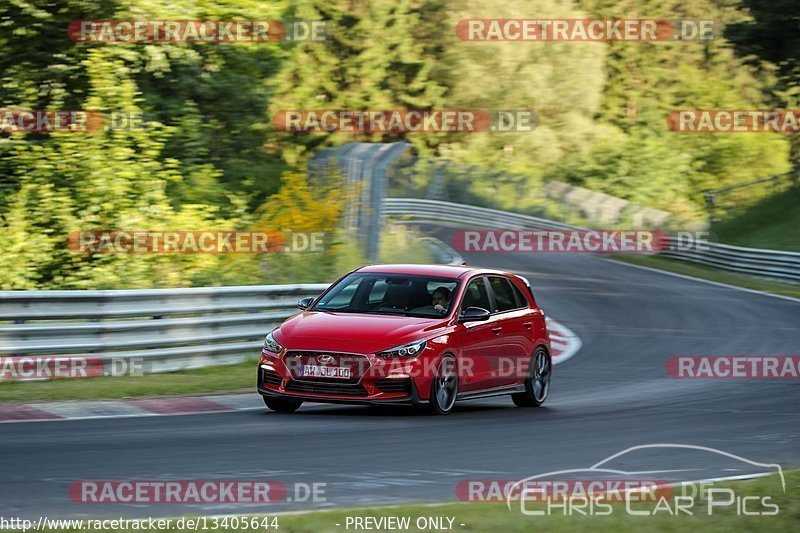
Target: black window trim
pixel 514 290
pixel 489 294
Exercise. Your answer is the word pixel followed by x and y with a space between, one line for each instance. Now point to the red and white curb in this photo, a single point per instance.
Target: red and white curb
pixel 94 409
pixel 564 344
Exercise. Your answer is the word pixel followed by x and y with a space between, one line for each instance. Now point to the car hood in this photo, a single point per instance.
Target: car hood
pixel 317 330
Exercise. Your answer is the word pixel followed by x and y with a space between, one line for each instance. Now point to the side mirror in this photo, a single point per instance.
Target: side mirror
pixel 305 303
pixel 474 314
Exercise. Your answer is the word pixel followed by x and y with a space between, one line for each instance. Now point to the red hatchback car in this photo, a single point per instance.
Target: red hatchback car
pixel 410 334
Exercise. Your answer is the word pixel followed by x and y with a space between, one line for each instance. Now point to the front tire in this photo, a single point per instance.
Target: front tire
pixel 537 382
pixel 444 387
pixel 282 405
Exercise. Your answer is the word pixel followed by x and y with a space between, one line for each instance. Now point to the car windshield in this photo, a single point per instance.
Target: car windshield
pixel 390 294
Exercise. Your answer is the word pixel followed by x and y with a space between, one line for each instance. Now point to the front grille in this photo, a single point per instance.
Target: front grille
pixel 394 385
pixel 268 377
pixel 317 387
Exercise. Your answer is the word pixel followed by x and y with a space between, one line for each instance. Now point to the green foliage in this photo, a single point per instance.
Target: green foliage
pixel 561 81
pixel 379 55
pixel 209 157
pixel 638 158
pixel 770 36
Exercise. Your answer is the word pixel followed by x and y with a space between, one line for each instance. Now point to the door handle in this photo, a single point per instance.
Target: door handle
pixel 497 330
pixel 528 325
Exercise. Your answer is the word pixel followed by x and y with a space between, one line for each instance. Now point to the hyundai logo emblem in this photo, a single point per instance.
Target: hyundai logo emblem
pixel 325 359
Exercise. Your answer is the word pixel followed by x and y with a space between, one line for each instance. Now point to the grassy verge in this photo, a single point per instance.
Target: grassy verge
pixel 495 517
pixel 704 272
pixel 199 381
pixel 770 223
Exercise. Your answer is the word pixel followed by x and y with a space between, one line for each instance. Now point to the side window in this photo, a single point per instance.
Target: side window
pixel 476 295
pixel 504 294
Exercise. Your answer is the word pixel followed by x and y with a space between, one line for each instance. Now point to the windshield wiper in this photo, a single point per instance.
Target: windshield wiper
pixel 356 311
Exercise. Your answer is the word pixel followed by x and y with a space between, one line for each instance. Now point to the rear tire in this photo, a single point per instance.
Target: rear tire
pixel 444 387
pixel 282 405
pixel 537 382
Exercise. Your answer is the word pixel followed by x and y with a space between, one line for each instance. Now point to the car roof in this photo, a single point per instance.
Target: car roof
pixel 445 271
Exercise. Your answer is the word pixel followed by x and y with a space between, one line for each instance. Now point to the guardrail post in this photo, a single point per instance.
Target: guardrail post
pixel 711 204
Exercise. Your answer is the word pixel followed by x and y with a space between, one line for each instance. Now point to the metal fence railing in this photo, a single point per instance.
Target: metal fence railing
pixel 773 264
pixel 168 329
pixel 776 264
pixel 739 196
pixel 439 211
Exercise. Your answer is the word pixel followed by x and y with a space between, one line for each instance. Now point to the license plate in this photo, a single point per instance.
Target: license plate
pixel 325 372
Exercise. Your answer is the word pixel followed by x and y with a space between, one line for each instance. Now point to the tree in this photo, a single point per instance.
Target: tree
pixel 378 56
pixel 772 35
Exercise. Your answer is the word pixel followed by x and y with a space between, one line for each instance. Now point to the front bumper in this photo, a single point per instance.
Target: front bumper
pixel 275 380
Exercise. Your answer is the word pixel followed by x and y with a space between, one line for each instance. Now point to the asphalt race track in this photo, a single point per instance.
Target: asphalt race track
pixel 612 395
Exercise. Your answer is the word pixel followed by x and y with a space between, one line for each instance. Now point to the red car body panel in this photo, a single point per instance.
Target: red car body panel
pixel 491 355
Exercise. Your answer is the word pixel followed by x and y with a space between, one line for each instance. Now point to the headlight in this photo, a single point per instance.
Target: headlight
pixel 271 345
pixel 411 349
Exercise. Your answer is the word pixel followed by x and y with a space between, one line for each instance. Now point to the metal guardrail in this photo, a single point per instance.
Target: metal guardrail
pixel 774 264
pixel 439 211
pixel 168 329
pixel 364 167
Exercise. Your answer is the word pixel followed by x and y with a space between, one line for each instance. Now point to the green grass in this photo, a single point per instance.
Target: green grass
pixel 198 381
pixel 771 223
pixel 496 517
pixel 704 272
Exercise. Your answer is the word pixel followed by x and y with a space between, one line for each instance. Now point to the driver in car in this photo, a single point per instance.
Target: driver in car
pixel 440 298
pixel 439 302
